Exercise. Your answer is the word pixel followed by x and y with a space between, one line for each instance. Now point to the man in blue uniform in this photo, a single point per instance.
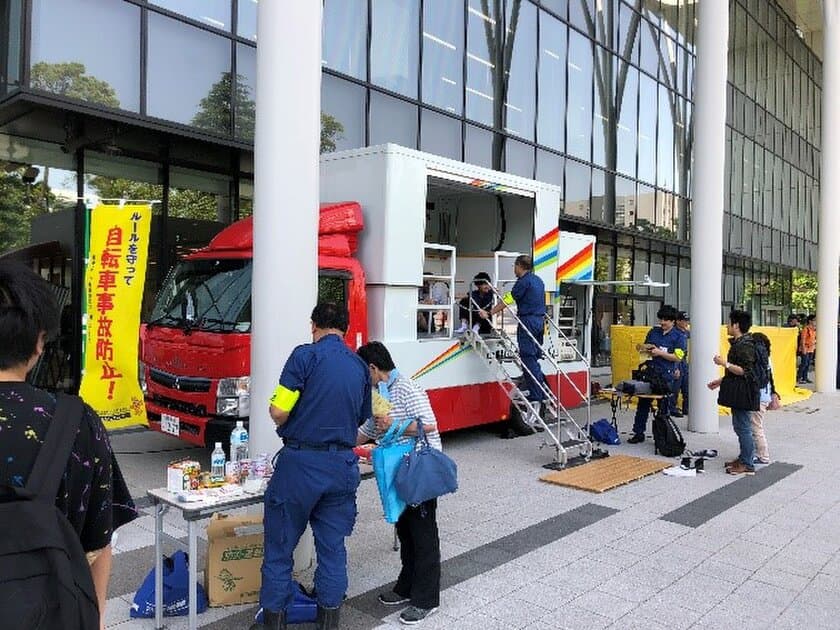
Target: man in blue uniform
pixel 323 396
pixel 529 294
pixel 681 373
pixel 666 346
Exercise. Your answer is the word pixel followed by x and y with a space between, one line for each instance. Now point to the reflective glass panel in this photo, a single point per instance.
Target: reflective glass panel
pixel 521 92
pixel 646 209
pixel 665 140
pixel 549 167
pixel 478 148
pixel 211 12
pixel 579 112
pixel 627 88
pixel 601 210
pixel 246 23
pixel 578 181
pixel 551 116
pixel 195 65
pixel 443 54
pixel 394 47
pixel 440 134
pixel 519 158
pixel 625 202
pixel 392 120
pixel 246 81
pixel 647 128
pixel 80 62
pixel 11 32
pixel 484 55
pixel 342 114
pixel 344 43
pixel 629 23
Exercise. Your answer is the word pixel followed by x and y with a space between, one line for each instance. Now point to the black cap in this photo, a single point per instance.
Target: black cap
pixel 682 316
pixel 481 276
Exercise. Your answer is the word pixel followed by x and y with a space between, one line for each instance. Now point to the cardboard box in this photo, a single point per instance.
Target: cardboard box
pixel 234 559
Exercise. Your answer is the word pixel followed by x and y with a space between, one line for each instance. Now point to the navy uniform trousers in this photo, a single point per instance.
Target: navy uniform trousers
pixel 531 353
pixel 319 488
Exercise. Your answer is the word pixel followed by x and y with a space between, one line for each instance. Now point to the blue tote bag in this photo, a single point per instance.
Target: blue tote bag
pixel 425 473
pixel 387 457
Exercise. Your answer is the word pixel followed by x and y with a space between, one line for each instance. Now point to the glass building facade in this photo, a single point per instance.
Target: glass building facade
pixel 595 96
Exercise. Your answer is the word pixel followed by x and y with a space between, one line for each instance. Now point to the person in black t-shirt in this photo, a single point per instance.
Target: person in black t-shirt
pixel 93 493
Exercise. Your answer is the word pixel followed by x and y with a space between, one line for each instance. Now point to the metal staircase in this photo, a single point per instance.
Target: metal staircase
pixel 500 353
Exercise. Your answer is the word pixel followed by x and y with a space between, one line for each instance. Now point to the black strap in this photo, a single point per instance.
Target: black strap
pixel 51 462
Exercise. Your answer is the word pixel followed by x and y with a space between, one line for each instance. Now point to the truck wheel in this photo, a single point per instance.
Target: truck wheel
pixel 517 422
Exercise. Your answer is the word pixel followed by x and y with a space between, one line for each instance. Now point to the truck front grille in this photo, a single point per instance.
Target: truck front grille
pixel 179 383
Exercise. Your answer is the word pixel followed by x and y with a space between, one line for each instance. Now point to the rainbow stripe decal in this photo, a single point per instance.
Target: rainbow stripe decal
pixel 453 352
pixel 545 249
pixel 485 185
pixel 581 266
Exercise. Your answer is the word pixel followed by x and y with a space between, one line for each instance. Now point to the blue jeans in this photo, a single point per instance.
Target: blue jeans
pixel 742 423
pixel 804 366
pixel 318 488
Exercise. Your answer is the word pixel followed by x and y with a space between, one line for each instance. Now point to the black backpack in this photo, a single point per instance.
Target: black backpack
pixel 667 437
pixel 45 579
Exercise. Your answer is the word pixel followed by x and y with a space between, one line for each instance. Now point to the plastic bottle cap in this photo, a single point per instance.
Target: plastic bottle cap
pixel 218 445
pixel 239 423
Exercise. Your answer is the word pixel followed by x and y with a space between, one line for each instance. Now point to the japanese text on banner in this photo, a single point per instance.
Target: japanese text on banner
pixel 114 279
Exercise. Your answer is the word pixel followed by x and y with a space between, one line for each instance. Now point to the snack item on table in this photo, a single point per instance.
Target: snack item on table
pixel 232 472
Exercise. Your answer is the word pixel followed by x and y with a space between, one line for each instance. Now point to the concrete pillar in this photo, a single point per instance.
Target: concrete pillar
pixel 707 210
pixel 829 223
pixel 286 148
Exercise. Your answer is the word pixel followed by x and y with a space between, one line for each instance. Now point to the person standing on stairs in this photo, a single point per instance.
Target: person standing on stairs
pixel 529 294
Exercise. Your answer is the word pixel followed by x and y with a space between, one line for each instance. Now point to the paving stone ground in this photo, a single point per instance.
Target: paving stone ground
pixel 711 551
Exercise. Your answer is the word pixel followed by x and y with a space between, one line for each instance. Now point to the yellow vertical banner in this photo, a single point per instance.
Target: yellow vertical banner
pixel 114 277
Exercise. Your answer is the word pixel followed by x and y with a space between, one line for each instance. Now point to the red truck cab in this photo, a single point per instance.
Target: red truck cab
pixel 195 350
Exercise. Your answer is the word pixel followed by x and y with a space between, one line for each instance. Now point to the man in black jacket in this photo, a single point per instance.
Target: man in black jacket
pixel 738 391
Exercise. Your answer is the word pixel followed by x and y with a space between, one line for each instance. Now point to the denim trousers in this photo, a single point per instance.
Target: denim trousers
pixel 742 423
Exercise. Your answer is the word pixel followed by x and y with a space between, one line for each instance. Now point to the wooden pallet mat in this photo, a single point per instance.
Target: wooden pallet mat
pixel 604 474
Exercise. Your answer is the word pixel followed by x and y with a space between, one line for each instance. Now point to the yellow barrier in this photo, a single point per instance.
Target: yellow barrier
pixel 626 358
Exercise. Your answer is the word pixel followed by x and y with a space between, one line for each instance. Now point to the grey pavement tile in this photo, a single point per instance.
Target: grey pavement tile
pixel 744 554
pixel 516 613
pixel 800 616
pixel 585 573
pixel 767 593
pixel 457 603
pixel 544 595
pixel 817 595
pixel 679 558
pixel 725 618
pixel 633 591
pixel 575 618
pixel 668 613
pixel 635 621
pixel 746 604
pixel 605 604
pixel 807 564
pixel 698 591
pixel 769 535
pixel 651 575
pixel 707 540
pixel 782 579
pixel 614 556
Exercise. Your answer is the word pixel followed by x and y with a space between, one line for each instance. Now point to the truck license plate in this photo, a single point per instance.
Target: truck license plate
pixel 170 424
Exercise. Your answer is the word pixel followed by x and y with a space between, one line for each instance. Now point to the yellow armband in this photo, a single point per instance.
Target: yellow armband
pixel 284 398
pixel 679 353
pixel 508 299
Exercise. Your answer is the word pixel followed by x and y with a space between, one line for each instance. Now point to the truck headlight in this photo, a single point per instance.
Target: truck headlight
pixel 234 397
pixel 141 376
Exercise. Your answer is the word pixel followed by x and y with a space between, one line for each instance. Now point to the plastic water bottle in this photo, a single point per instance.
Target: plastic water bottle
pixel 217 464
pixel 239 442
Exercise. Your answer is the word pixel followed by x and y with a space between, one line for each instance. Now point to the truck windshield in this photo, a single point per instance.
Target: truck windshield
pixel 207 295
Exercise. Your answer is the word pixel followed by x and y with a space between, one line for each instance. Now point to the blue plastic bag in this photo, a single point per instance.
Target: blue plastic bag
pixel 303 609
pixel 175 590
pixel 386 459
pixel 425 473
pixel 604 432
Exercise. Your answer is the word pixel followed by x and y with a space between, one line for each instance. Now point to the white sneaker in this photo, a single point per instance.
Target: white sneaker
pixel 461 329
pixel 476 328
pixel 676 471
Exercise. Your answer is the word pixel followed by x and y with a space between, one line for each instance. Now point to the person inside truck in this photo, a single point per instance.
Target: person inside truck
pixel 529 294
pixel 323 396
pixel 418 584
pixel 93 494
pixel 479 299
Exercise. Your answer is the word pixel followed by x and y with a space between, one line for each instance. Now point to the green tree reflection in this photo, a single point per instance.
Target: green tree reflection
pixel 70 79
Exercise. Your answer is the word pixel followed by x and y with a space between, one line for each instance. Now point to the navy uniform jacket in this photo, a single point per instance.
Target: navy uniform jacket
pixel 529 293
pixel 671 342
pixel 334 386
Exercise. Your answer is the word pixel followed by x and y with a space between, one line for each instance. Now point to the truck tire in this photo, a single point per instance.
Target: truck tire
pixel 517 422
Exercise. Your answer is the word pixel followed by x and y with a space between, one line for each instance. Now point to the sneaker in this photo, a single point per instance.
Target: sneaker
pixel 461 329
pixel 700 465
pixel 390 598
pixel 739 469
pixel 638 438
pixel 758 460
pixel 476 328
pixel 414 615
pixel 731 463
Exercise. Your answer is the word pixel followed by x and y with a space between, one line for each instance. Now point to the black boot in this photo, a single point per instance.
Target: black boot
pixel 271 621
pixel 328 618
